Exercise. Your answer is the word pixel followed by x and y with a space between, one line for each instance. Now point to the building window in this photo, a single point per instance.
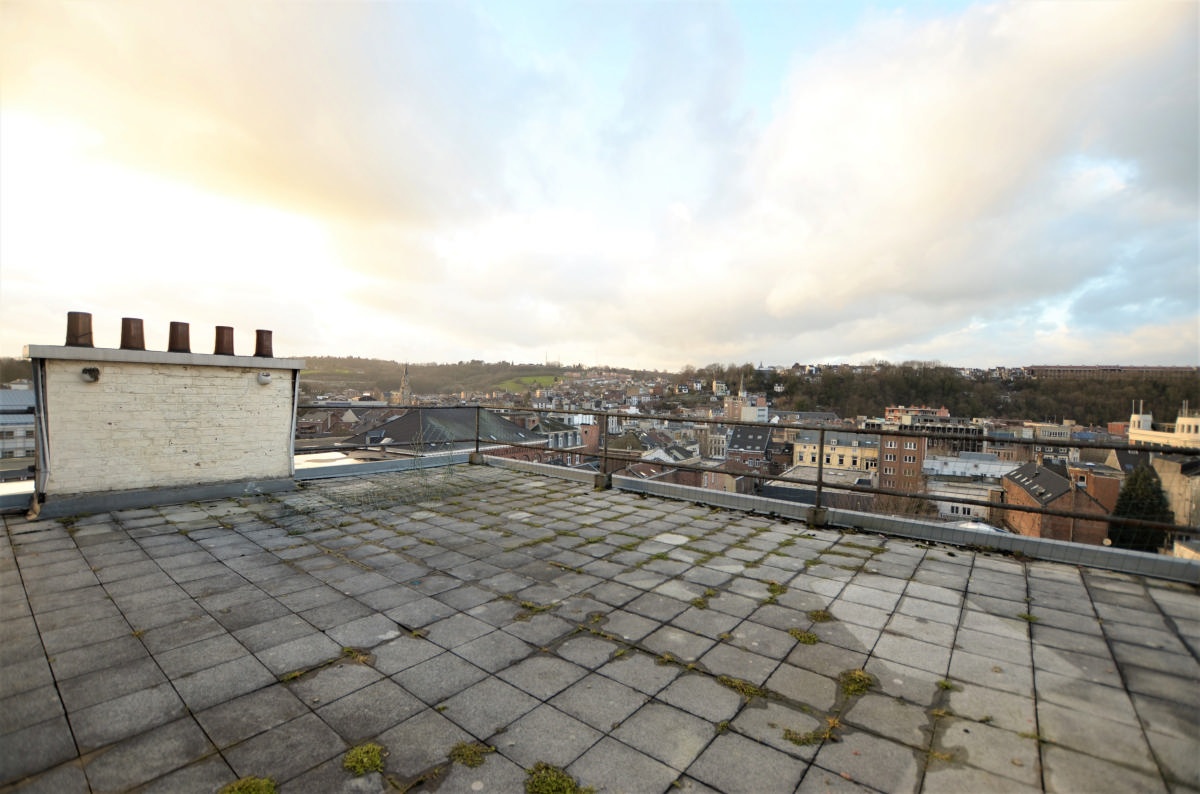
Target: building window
pixel 910 458
pixel 890 444
pixel 910 444
pixel 841 460
pixel 889 456
pixel 954 509
pixel 889 470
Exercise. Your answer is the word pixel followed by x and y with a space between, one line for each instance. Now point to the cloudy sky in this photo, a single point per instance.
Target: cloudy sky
pixel 647 184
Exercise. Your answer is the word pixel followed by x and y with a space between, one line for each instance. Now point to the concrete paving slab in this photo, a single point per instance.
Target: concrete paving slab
pixel 727 660
pixel 946 779
pixel 91 688
pixel 613 766
pixel 804 686
pixel 1087 733
pixel 125 716
pixel 641 672
pixel 368 712
pixel 240 718
pixel 35 747
pixel 66 778
pixel 668 734
pixel 145 757
pixel 994 750
pixel 546 734
pixel 732 763
pixel 333 681
pixel 789 729
pixel 891 718
pixel 1070 771
pixel 208 774
pixel 487 707
pixel 970 668
pixel 421 743
pixel 496 775
pixel 299 654
pixel 287 750
pixel 218 683
pixel 439 677
pixel 702 696
pixel 199 655
pixel 873 761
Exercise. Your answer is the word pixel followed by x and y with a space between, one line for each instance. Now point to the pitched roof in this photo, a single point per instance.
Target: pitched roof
pixel 442 429
pixel 1043 483
pixel 1130 459
pixel 746 438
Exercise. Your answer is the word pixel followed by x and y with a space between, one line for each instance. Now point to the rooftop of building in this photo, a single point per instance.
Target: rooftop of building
pixel 638 642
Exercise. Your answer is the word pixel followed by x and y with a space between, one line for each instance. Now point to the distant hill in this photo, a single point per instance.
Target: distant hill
pixel 335 373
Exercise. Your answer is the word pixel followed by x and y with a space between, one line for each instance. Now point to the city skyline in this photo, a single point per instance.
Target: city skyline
pixel 645 185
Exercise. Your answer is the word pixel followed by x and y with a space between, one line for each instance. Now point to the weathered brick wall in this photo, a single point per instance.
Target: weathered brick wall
pixel 149 425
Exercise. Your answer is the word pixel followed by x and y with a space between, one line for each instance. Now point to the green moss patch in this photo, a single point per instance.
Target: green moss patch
pixel 856 682
pixel 470 753
pixel 543 778
pixel 249 785
pixel 364 758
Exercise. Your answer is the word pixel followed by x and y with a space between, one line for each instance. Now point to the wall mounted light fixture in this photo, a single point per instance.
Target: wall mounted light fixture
pixel 264 378
pixel 90 374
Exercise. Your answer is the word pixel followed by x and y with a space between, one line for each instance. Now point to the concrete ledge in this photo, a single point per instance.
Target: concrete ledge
pixel 575 475
pixel 85 504
pixel 1158 566
pixel 117 356
pixel 379 466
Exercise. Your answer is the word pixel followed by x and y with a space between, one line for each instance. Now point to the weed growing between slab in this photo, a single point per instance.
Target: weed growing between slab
pixel 470 753
pixel 531 608
pixel 817 736
pixel 364 758
pixel 249 785
pixel 856 682
pixel 774 590
pixel 357 655
pixel 543 778
pixel 804 637
pixel 743 687
pixel 821 616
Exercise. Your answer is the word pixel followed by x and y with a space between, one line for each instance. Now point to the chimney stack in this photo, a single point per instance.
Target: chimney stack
pixel 178 341
pixel 79 329
pixel 224 345
pixel 132 336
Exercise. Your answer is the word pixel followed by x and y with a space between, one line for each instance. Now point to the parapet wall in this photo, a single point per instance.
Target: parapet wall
pixel 115 421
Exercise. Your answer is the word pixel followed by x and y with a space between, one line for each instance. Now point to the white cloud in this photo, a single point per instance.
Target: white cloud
pixel 426 188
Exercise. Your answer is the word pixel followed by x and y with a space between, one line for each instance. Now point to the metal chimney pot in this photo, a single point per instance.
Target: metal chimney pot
pixel 79 329
pixel 262 344
pixel 224 345
pixel 132 336
pixel 179 341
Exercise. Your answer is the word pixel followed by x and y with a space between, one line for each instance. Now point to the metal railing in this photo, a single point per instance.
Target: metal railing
pixel 606 460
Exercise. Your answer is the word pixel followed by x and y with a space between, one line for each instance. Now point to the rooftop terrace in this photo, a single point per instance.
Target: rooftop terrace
pixel 642 644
